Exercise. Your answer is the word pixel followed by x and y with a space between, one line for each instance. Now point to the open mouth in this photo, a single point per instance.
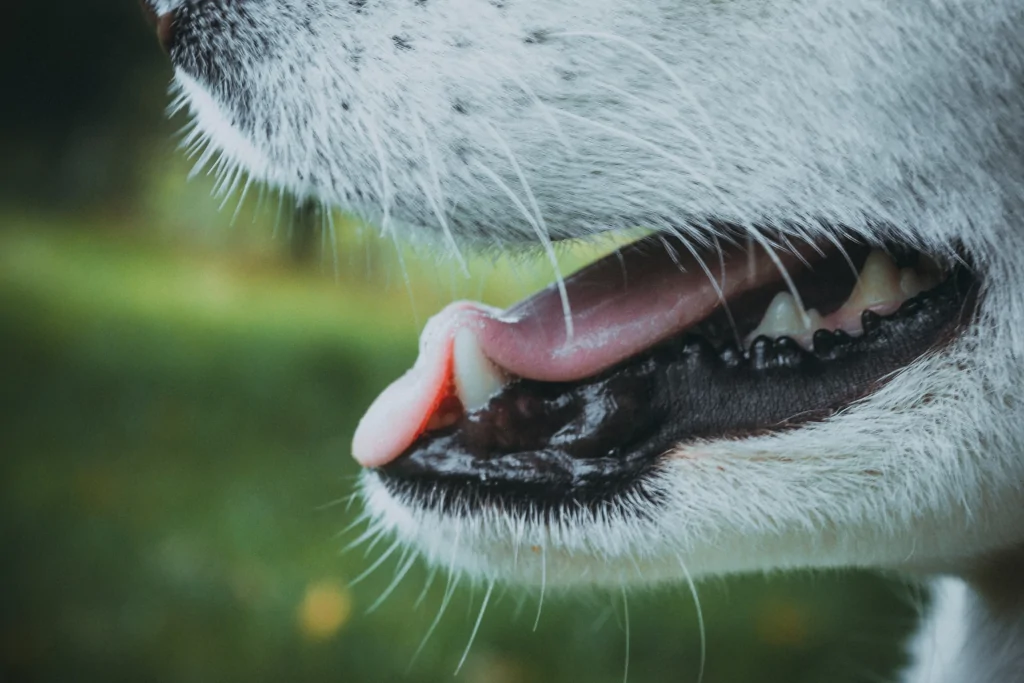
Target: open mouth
pixel 570 396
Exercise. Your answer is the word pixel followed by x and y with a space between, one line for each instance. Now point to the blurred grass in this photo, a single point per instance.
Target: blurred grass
pixel 177 421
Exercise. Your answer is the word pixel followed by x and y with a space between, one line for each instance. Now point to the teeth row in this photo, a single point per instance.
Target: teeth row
pixel 881 287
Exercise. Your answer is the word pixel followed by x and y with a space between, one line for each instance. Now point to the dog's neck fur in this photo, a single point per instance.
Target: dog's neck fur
pixel 975 632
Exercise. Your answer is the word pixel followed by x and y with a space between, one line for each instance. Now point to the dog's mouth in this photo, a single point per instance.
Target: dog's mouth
pixel 570 396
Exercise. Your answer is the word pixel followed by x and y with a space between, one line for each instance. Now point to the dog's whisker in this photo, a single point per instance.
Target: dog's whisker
pixel 476 627
pixel 539 227
pixel 700 619
pixel 403 568
pixel 377 563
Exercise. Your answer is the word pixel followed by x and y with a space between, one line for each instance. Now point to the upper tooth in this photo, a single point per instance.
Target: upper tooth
pixel 913 283
pixel 878 283
pixel 784 318
pixel 477 379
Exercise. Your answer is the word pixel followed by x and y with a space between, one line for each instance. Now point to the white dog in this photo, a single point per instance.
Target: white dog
pixel 714 398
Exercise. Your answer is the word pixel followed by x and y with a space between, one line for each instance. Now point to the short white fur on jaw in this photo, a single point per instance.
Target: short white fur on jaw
pixel 498 121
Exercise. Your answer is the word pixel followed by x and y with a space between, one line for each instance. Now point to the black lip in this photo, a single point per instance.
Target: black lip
pixel 542 446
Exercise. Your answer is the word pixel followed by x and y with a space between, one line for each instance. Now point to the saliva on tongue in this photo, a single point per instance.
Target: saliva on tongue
pixel 620 305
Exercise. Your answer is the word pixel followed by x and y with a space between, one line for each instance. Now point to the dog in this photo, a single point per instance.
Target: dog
pixel 811 358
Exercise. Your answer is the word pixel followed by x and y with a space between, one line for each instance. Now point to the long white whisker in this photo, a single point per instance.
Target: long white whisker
pixel 241 200
pixel 700 618
pixel 843 251
pixel 236 177
pixel 374 529
pixel 652 147
pixel 545 110
pixel 783 271
pixel 660 64
pixel 437 619
pixel 453 581
pixel 280 212
pixel 625 610
pixel 517 534
pixel 715 283
pixel 685 131
pixel 543 583
pixel 476 627
pixel 426 588
pixel 326 210
pixel 545 241
pixel 380 560
pixel 541 228
pixel 345 500
pixel 435 199
pixel 373 543
pixel 353 524
pixel 404 569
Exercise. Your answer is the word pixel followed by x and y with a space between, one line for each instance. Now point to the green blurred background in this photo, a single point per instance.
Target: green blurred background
pixel 180 376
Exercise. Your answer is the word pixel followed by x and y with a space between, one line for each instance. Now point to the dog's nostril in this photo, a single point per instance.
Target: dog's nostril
pixel 164 24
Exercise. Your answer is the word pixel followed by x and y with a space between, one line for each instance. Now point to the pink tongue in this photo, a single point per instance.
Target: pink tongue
pixel 621 305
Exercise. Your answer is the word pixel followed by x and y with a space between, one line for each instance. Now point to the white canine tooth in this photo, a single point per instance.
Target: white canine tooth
pixel 878 283
pixel 815 321
pixel 913 282
pixel 477 379
pixel 783 318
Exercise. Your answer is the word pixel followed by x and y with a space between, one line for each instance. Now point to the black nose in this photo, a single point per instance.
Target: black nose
pixel 164 24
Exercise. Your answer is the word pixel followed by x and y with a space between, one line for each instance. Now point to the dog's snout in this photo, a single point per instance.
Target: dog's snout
pixel 162 21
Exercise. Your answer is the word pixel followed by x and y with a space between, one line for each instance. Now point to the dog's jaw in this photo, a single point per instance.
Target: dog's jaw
pixel 750 114
pixel 928 501
pixel 519 120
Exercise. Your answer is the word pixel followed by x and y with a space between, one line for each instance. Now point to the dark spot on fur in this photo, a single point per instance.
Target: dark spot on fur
pixel 401 42
pixel 516 96
pixel 460 107
pixel 537 37
pixel 357 5
pixel 566 75
pixel 355 56
pixel 345 105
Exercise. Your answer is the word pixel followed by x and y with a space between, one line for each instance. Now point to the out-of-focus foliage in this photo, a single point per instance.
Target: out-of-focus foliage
pixel 82 87
pixel 178 394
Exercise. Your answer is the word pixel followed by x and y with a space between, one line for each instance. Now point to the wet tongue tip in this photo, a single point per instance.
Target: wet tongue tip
pixel 451 375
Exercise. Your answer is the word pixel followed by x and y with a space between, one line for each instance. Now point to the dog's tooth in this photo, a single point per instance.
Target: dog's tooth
pixel 476 378
pixel 814 320
pixel 878 283
pixel 913 282
pixel 783 318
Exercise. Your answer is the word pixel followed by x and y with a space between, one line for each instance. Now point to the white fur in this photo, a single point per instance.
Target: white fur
pixel 602 115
